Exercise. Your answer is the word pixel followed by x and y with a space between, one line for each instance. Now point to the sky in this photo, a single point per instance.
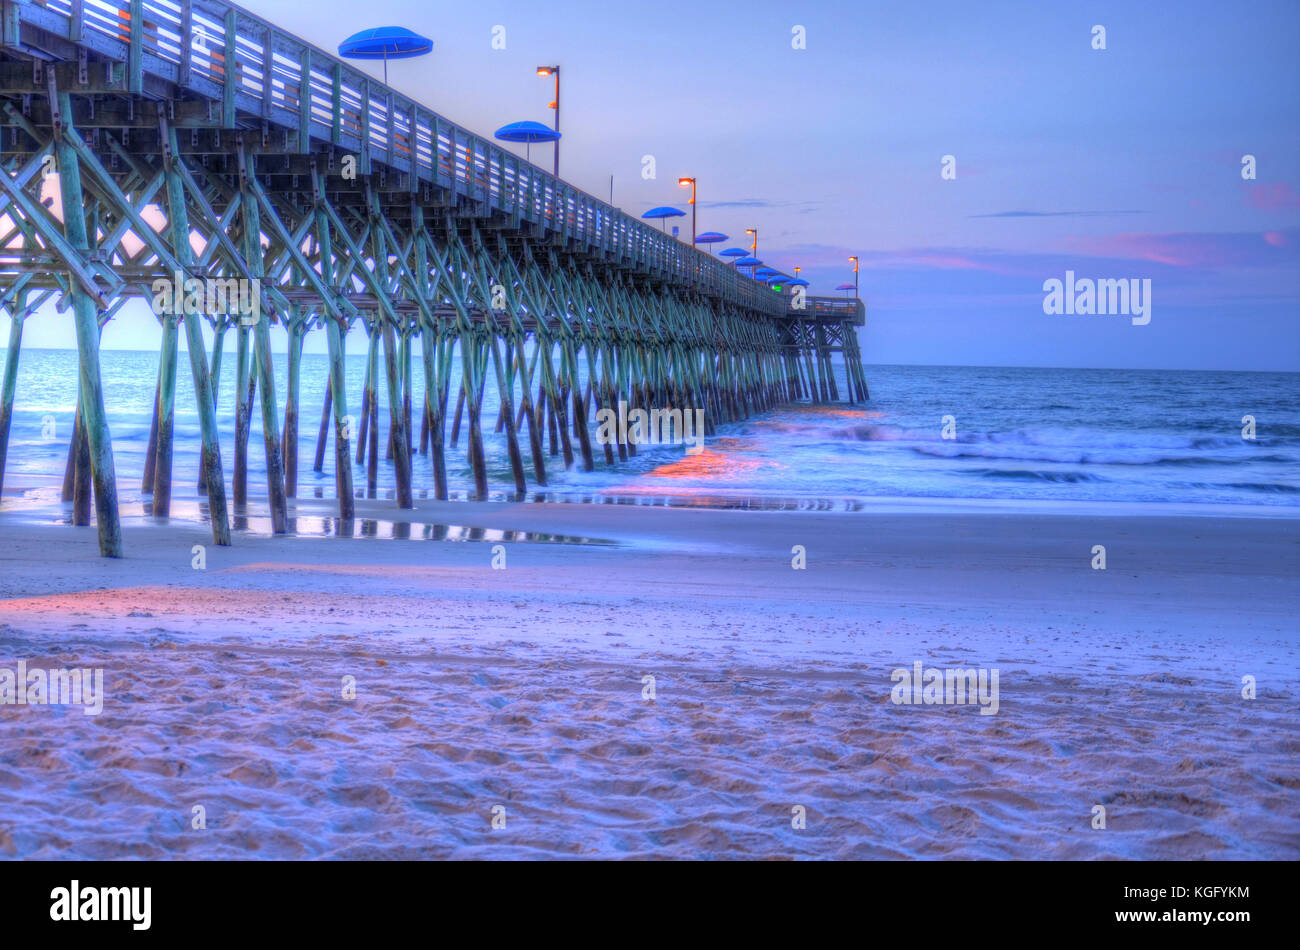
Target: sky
pixel 1115 163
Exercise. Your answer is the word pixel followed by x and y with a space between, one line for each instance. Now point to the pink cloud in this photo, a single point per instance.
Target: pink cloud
pixel 1274 196
pixel 1188 249
pixel 937 258
pixel 948 262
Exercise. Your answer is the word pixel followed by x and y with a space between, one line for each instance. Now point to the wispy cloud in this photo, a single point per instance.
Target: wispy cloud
pixel 1053 214
pixel 761 203
pixel 741 203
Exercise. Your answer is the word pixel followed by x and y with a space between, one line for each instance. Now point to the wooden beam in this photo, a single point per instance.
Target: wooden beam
pixel 87 327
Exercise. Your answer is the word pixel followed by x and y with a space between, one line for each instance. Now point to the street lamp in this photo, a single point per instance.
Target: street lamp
pixel 554 71
pixel 684 182
pixel 855 275
pixel 753 250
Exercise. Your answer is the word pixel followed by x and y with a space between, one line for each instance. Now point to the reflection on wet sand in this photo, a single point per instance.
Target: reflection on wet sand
pixel 327 527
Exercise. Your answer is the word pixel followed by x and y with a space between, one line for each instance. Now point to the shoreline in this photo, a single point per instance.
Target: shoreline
pixel 30 495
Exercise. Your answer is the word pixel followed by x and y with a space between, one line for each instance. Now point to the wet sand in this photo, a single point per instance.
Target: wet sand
pixel 524 687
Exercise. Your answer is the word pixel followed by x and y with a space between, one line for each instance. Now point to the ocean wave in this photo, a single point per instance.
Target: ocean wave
pixel 1065 478
pixel 1269 487
pixel 1096 458
pixel 1070 446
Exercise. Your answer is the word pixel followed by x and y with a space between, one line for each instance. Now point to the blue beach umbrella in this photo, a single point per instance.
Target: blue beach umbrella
pixel 385 42
pixel 798 282
pixel 663 213
pixel 734 252
pixel 528 133
pixel 747 262
pixel 710 237
pixel 764 272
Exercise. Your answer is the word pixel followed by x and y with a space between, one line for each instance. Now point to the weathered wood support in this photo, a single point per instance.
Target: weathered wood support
pixel 336 392
pixel 366 395
pixel 473 362
pixel 10 384
pixel 398 415
pixel 297 334
pixel 460 408
pixel 323 435
pixel 243 398
pixel 162 473
pixel 151 453
pixel 372 415
pixel 504 388
pixel 436 349
pixel 401 448
pixel 342 423
pixel 219 327
pixel 81 482
pixel 262 344
pixel 210 458
pixel 87 326
pixel 70 466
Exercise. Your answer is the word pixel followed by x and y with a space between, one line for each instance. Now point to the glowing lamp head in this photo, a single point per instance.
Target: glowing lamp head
pixel 546 70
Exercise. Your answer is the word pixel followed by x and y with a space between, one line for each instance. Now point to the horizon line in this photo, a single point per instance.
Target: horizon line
pixel 1138 369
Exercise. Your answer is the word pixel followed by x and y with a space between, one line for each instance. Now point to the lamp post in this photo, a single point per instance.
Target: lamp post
pixel 554 71
pixel 684 182
pixel 753 250
pixel 855 276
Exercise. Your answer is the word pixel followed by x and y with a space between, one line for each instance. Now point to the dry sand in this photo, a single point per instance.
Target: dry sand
pixel 523 687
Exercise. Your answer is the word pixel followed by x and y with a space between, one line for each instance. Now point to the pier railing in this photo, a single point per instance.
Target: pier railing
pixel 264 76
pixel 832 308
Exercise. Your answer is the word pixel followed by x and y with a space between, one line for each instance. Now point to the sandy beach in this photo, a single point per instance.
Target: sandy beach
pixel 520 693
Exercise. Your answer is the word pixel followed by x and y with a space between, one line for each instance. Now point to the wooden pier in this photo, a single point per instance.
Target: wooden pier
pixel 273 170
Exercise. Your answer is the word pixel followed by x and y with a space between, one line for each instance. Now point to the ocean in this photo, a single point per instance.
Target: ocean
pixel 929 432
